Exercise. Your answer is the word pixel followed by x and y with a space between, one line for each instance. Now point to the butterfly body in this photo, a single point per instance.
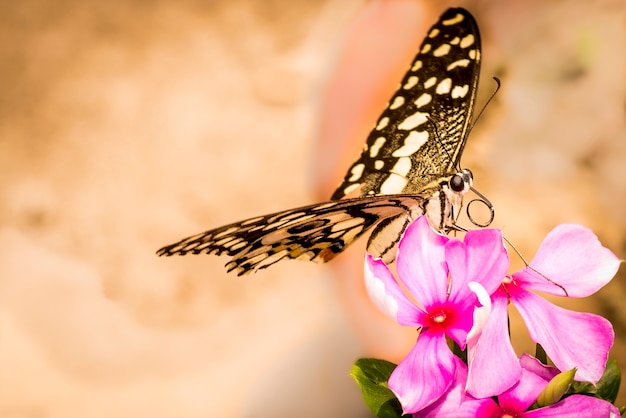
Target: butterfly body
pixel 409 167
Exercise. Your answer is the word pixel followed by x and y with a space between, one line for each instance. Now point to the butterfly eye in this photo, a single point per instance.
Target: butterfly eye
pixel 457 183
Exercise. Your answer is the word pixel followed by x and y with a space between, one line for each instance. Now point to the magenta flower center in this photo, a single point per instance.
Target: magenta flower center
pixel 439 318
pixel 507 414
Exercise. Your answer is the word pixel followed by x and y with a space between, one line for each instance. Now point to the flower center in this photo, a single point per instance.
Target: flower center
pixel 439 318
pixel 507 414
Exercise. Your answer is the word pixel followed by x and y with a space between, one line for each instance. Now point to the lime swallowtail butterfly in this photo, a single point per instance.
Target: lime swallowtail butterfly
pixel 409 167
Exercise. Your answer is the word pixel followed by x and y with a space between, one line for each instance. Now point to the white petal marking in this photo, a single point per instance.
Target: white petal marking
pixel 376 291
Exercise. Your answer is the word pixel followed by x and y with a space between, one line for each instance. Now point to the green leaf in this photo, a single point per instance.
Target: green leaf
pixel 606 388
pixel 608 385
pixel 540 354
pixel 372 376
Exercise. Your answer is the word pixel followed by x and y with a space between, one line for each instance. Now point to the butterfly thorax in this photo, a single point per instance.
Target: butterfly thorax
pixel 441 205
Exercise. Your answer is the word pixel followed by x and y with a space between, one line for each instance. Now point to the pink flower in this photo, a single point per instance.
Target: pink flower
pixel 451 280
pixel 515 401
pixel 571 262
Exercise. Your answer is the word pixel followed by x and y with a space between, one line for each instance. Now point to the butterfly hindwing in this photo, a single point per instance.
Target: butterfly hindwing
pixel 314 233
pixel 421 134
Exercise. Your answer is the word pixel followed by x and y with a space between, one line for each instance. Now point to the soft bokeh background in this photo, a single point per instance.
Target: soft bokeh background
pixel 126 126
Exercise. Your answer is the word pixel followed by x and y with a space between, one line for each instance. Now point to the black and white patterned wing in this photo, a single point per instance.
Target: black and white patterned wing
pixel 420 136
pixel 413 150
pixel 314 233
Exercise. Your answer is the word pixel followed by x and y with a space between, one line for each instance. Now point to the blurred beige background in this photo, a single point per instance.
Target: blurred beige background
pixel 127 126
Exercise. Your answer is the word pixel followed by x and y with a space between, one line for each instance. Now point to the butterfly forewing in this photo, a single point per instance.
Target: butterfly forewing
pixel 421 134
pixel 403 171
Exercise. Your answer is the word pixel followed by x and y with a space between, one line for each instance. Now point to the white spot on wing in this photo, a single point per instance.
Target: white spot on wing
pixel 252 220
pixel 402 166
pixel 357 172
pixel 430 82
pixel 460 91
pixel 382 123
pixel 467 41
pixel 238 245
pixel 379 142
pixel 326 205
pixel 351 188
pixel 473 54
pixel 455 41
pixel 412 143
pixel 394 184
pixel 416 66
pixel 379 164
pixel 423 100
pixel 460 63
pixel 221 234
pixel 433 33
pixel 413 121
pixel 347 224
pixel 442 50
pixel 444 87
pixel 425 48
pixel 458 18
pixel 397 102
pixel 410 83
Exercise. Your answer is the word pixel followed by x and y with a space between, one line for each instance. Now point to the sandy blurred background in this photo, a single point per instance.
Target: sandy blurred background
pixel 126 126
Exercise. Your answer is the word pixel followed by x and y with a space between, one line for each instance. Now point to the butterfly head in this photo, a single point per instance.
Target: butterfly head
pixel 461 182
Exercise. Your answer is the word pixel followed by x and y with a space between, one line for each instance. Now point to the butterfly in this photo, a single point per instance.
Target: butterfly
pixel 409 167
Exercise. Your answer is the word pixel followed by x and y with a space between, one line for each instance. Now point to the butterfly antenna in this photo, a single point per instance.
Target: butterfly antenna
pixel 528 266
pixel 482 199
pixel 493 94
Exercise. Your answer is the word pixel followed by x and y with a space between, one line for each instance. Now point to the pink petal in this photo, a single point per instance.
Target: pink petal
pixel 487 259
pixel 421 263
pixel 455 403
pixel 523 394
pixel 571 339
pixel 576 406
pixel 530 363
pixel 571 256
pixel 424 374
pixel 472 319
pixel 385 292
pixel 493 365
